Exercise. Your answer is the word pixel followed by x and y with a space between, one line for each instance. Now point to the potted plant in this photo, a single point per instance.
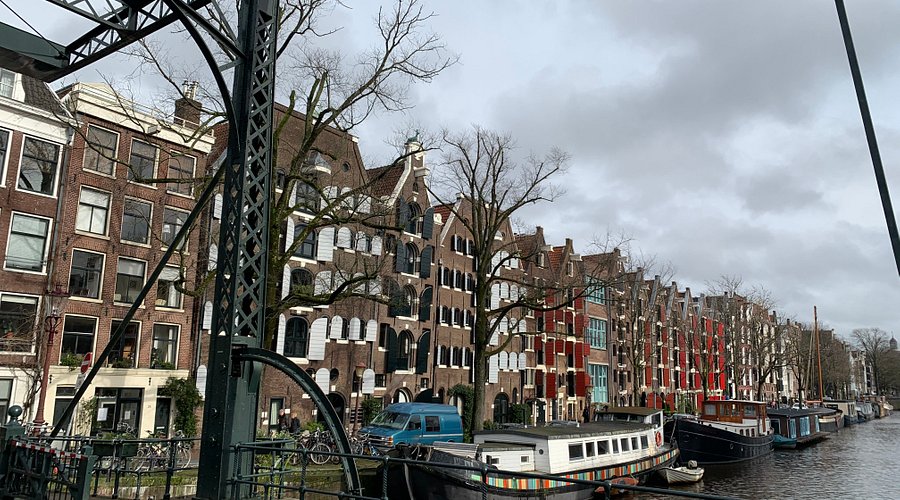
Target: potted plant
pixel 71 360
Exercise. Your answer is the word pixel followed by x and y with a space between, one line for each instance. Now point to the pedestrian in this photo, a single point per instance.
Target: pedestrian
pixel 586 414
pixel 284 422
pixel 295 425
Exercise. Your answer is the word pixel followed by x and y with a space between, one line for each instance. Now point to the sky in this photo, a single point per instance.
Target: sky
pixel 721 136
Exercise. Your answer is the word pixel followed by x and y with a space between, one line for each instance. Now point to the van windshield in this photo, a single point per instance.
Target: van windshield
pixel 391 420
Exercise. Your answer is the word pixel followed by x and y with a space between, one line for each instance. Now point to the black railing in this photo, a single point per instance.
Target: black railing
pixel 282 471
pixel 33 471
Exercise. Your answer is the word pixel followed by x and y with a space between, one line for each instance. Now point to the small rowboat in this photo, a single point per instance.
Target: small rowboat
pixel 676 475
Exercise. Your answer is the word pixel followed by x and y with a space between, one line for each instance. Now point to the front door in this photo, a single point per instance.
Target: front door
pixel 163 417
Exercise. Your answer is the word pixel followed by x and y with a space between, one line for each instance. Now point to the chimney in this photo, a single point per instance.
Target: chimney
pixel 188 108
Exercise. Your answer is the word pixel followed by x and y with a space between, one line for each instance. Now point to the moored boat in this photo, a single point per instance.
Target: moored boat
pixel 784 443
pixel 682 475
pixel 847 409
pixel 830 419
pixel 727 431
pixel 798 425
pixel 624 443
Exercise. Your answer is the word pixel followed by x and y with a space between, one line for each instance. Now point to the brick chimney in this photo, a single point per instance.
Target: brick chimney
pixel 188 108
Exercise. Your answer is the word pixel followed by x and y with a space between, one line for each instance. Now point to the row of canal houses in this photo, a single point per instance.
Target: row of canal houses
pixel 120 181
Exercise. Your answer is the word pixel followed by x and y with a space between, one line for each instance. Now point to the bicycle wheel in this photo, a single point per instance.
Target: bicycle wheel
pixel 183 457
pixel 316 456
pixel 142 459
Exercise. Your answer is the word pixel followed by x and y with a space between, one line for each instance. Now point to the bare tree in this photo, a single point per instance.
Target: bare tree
pixel 875 343
pixel 482 167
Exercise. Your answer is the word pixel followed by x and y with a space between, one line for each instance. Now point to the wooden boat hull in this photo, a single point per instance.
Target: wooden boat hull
pixel 426 480
pixel 706 444
pixel 831 424
pixel 681 475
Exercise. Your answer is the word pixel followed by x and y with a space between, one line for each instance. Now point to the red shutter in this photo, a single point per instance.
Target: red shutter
pixel 665 334
pixel 666 374
pixel 569 317
pixel 665 355
pixel 709 327
pixel 587 349
pixel 550 353
pixel 539 383
pixel 579 303
pixel 538 344
pixel 560 316
pixel 683 379
pixel 648 372
pixel 722 381
pixel 550 386
pixel 698 383
pixel 579 325
pixel 662 313
pixel 579 355
pixel 569 347
pixel 580 383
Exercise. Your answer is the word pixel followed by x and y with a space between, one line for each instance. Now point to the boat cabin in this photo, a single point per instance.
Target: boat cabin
pixel 747 418
pixel 799 424
pixel 618 437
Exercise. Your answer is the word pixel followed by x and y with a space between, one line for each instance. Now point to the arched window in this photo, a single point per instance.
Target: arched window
pixel 307 197
pixel 501 408
pixel 296 338
pixel 280 178
pixel 415 187
pixel 447 277
pixel 404 350
pixel 414 224
pixel 412 259
pixel 458 281
pixel 301 281
pixel 445 315
pixel 401 396
pixel 410 301
pixel 306 249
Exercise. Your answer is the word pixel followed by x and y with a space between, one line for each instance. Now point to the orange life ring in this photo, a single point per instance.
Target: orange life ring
pixel 658 439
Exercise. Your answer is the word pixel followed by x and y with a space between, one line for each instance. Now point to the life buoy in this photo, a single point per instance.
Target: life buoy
pixel 658 439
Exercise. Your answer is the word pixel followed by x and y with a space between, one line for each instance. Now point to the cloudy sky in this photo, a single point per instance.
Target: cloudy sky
pixel 722 136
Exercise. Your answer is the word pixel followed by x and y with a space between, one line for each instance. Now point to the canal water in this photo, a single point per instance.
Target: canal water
pixel 858 462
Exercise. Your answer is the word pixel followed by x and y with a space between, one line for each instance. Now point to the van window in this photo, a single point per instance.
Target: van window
pixel 391 420
pixel 415 423
pixel 432 424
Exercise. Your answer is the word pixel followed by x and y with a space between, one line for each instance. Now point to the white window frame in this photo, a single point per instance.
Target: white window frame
pixel 99 297
pixel 178 329
pixel 62 331
pixel 149 222
pixel 116 285
pixel 12 88
pixel 108 210
pixel 37 318
pixel 180 306
pixel 155 163
pixel 5 164
pixel 173 154
pixel 163 244
pixel 87 148
pixel 56 181
pixel 44 255
pixel 137 343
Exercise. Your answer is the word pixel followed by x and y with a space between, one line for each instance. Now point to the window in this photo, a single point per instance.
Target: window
pixel 625 445
pixel 129 279
pixel 296 338
pixel 404 347
pixel 596 292
pixel 432 424
pixel 142 161
pixel 602 447
pixel 173 221
pixel 181 169
pixel 27 246
pixel 4 145
pixel 634 443
pixel 93 211
pixel 615 447
pixel 7 83
pixel 275 407
pixel 167 295
pixel 596 333
pixel 86 275
pixel 589 449
pixel 414 224
pixel 301 281
pixel 599 382
pixel 124 354
pixel 644 443
pixel 18 315
pixel 37 171
pixel 576 451
pixel 307 197
pixel 100 150
pixel 5 393
pixel 78 335
pixel 306 249
pixel 412 259
pixel 136 221
pixel 165 347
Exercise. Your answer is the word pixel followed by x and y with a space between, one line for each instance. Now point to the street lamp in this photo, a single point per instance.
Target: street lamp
pixel 360 368
pixel 54 303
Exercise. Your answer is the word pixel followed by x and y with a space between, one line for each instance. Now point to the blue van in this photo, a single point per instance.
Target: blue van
pixel 414 423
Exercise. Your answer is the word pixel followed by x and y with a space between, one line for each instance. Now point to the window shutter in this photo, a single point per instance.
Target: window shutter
pixel 495 296
pixel 522 360
pixel 550 385
pixel 362 242
pixel 513 362
pixel 390 364
pixel 323 378
pixel 422 351
pixel 368 381
pixel 288 233
pixel 425 304
pixel 337 326
pixel 371 330
pixel 213 258
pixel 317 333
pixel 428 224
pixel 325 247
pixel 323 282
pixel 355 328
pixel 503 360
pixel 402 214
pixel 376 245
pixel 579 355
pixel 344 238
pixel 580 383
pixel 425 262
pixel 279 336
pixel 550 354
pixel 286 281
pixel 217 206
pixel 400 258
pixel 493 369
pixel 207 315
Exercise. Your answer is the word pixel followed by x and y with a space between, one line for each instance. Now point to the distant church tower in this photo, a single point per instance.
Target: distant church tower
pixel 893 344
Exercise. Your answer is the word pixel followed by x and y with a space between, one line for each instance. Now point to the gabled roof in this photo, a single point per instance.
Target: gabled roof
pixel 39 95
pixel 556 255
pixel 443 211
pixel 385 179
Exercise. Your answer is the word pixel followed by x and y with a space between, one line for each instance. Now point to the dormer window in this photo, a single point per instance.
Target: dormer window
pixel 7 83
pixel 570 268
pixel 540 260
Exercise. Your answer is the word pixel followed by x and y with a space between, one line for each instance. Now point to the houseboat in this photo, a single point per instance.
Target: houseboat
pixel 847 409
pixel 864 411
pixel 727 431
pixel 830 419
pixel 627 442
pixel 795 428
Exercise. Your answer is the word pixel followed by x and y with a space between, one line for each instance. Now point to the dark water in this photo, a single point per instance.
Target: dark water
pixel 858 462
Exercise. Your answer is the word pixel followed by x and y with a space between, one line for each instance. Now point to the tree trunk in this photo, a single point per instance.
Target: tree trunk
pixel 479 405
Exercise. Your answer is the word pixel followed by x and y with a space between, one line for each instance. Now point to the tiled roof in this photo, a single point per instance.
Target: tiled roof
pixel 385 179
pixel 443 211
pixel 39 95
pixel 555 256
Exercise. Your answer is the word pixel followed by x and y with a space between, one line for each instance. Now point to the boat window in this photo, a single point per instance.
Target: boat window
pixel 589 449
pixel 391 420
pixel 576 451
pixel 750 411
pixel 644 443
pixel 415 423
pixel 615 443
pixel 491 460
pixel 432 423
pixel 657 419
pixel 625 445
pixel 634 443
pixel 709 409
pixel 525 459
pixel 602 447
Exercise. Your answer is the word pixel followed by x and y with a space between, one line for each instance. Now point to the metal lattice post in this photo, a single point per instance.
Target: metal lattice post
pixel 239 312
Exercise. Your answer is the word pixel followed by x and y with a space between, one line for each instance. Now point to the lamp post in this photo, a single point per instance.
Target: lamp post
pixel 360 368
pixel 54 303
